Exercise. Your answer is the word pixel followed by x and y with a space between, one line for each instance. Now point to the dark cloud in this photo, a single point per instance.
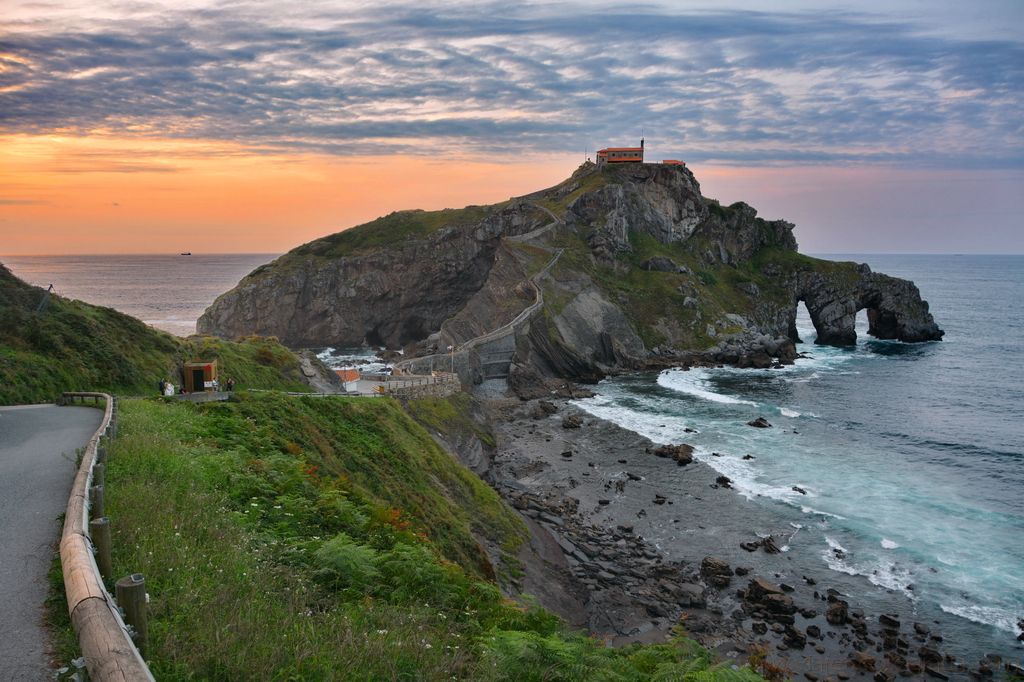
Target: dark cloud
pixel 736 87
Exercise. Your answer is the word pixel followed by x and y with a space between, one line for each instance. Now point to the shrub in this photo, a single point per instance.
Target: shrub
pixel 343 564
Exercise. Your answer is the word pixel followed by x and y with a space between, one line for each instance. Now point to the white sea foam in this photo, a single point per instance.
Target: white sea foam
pixel 987 615
pixel 695 382
pixel 889 544
pixel 887 574
pixel 786 412
pixel 891 576
pixel 818 512
pixel 836 561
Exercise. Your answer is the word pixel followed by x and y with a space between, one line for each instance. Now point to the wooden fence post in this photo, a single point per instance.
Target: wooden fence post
pixel 99 474
pixel 130 593
pixel 96 501
pixel 99 531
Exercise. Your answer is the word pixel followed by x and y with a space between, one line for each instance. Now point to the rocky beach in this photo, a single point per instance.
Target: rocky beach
pixel 631 539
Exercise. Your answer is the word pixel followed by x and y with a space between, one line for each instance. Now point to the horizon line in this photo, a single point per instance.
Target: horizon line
pixel 275 253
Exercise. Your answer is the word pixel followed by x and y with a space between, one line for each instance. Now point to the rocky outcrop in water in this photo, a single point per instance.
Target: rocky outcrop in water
pixel 895 307
pixel 633 267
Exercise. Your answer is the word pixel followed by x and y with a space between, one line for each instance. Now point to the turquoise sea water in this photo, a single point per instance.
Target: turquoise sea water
pixel 911 455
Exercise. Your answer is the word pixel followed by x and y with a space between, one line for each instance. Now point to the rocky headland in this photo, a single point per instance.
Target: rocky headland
pixel 618 267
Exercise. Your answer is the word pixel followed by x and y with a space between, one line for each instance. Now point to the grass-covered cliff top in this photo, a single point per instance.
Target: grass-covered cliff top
pixel 331 539
pixel 68 345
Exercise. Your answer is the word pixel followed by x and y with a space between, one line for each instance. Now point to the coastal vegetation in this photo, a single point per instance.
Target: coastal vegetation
pixel 50 344
pixel 331 538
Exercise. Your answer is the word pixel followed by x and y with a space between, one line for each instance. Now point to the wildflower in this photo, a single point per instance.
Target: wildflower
pixel 382 632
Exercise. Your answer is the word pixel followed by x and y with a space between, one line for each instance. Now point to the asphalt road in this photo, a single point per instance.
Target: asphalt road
pixel 37 467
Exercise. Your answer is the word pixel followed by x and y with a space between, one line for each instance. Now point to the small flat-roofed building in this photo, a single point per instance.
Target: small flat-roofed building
pixel 621 155
pixel 350 377
pixel 200 376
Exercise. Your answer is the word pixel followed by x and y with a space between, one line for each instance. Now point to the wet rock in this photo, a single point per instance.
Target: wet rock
pixel 785 588
pixel 716 571
pixel 896 659
pixel 681 453
pixel 759 627
pixel 758 589
pixel 748 457
pixel 604 503
pixel 779 604
pixel 688 595
pixel 921 629
pixel 759 423
pixel 890 622
pixel 547 407
pixel 723 482
pixel 567 453
pixel 741 570
pixel 814 631
pixel 794 638
pixel 573 421
pixel 862 661
pixel 750 546
pixel 932 672
pixel 837 613
pixel 800 490
pixel 929 655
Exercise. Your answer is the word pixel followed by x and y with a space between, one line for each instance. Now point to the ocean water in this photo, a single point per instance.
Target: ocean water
pixel 165 291
pixel 910 456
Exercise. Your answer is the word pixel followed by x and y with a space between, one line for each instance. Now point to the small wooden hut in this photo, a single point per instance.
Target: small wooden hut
pixel 200 376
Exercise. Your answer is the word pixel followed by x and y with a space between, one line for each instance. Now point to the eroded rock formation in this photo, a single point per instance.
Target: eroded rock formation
pixel 650 271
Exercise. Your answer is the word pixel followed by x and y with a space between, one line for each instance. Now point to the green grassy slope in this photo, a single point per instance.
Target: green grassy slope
pixel 74 346
pixel 330 539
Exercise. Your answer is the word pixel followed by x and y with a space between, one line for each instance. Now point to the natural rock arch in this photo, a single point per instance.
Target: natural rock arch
pixel 894 306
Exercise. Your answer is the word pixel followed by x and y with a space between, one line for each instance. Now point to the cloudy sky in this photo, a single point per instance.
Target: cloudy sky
pixel 254 126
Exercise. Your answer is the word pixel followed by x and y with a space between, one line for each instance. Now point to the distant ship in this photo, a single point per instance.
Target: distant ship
pixel 185 253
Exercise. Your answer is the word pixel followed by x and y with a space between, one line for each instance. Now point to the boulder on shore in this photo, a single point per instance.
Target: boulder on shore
pixel 682 453
pixel 716 571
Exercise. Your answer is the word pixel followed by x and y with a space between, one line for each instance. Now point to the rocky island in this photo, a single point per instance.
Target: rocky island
pixel 618 267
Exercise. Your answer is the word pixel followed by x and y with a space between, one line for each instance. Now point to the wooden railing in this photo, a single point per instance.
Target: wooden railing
pixel 105 639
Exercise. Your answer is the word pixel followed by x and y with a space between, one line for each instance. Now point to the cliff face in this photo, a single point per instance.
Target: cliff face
pixel 344 291
pixel 631 262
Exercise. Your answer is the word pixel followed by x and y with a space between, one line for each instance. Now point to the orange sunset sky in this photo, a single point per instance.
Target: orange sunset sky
pixel 205 127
